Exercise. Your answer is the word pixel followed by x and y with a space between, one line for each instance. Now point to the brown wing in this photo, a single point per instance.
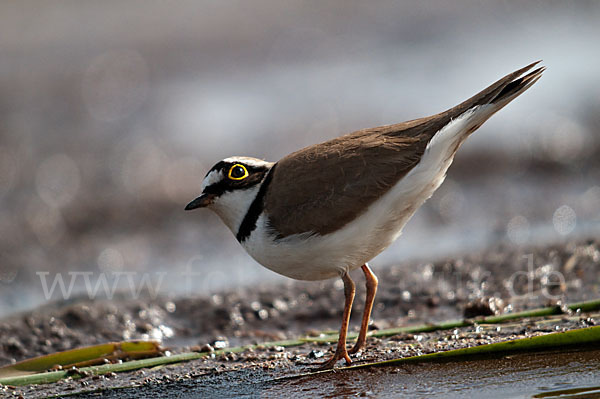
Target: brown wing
pixel 328 185
pixel 325 186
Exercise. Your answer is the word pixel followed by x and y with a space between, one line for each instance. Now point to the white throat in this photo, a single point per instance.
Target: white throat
pixel 232 206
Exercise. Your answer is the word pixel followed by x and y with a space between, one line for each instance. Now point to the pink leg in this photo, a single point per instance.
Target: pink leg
pixel 371 283
pixel 341 352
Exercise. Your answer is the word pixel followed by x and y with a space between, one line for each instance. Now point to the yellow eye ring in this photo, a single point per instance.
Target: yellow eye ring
pixel 238 172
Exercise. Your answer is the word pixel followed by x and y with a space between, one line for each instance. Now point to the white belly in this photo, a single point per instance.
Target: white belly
pixel 318 257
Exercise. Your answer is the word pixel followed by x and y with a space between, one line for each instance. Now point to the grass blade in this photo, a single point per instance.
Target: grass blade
pixel 81 357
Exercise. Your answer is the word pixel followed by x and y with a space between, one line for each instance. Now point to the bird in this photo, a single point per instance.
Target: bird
pixel 328 209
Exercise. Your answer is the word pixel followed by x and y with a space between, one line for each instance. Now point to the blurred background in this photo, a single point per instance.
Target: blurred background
pixel 111 113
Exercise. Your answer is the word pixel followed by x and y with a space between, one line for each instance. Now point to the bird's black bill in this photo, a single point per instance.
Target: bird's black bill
pixel 200 202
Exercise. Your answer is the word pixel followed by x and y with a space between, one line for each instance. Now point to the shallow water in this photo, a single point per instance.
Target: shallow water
pixel 519 376
pixel 572 374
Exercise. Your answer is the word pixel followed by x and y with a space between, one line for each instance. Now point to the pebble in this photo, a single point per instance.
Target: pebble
pixel 316 354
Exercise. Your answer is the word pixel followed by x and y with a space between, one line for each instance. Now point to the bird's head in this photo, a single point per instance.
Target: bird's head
pixel 229 188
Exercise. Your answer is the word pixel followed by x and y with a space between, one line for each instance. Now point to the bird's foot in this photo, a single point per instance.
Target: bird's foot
pixel 338 355
pixel 359 346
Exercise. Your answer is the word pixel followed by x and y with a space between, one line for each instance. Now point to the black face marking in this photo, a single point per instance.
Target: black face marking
pixel 255 176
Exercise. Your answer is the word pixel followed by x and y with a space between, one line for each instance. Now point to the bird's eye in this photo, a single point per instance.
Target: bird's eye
pixel 238 172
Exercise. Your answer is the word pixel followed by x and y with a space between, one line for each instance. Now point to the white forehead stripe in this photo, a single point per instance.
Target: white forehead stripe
pixel 213 177
pixel 247 161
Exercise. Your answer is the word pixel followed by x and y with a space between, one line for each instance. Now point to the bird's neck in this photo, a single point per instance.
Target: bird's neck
pixel 233 206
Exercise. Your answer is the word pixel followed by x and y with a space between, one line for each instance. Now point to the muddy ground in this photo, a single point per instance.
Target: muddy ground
pixel 498 280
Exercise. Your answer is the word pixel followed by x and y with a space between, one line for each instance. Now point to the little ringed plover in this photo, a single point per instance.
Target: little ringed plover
pixel 329 208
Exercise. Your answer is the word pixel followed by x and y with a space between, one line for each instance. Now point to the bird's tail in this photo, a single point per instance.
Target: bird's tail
pixel 480 107
pixel 495 97
pixel 457 123
pixel 499 94
pixel 513 85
